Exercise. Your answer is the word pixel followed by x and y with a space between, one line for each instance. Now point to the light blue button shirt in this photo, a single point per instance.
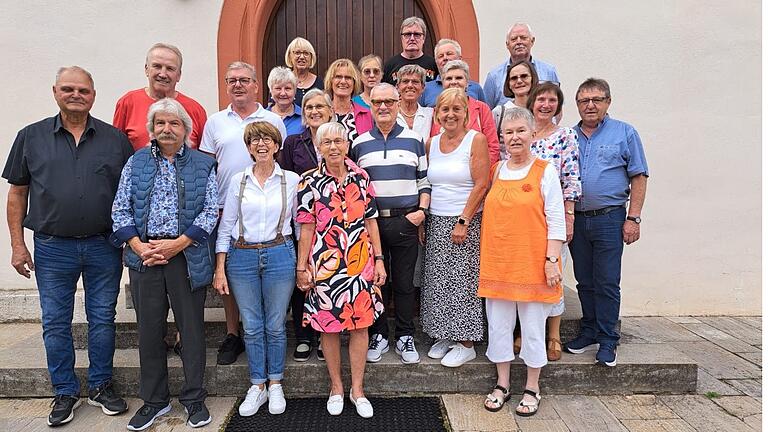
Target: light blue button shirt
pixel 494 82
pixel 608 160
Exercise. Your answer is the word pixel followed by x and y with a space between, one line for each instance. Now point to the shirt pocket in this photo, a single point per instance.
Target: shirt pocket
pixel 609 154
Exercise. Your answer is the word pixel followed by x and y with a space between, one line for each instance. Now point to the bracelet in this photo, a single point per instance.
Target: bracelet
pixel 300 270
pixel 378 258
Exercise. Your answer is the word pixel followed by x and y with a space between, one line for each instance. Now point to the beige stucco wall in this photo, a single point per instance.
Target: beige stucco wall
pixel 671 67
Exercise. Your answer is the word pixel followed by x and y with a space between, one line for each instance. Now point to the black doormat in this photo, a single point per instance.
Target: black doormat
pixel 412 414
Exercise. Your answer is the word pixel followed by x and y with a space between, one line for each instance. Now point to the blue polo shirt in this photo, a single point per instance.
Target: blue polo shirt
pixel 433 89
pixel 607 161
pixel 494 82
pixel 292 122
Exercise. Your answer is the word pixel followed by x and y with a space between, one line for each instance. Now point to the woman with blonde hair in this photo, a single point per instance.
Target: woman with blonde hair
pixel 300 57
pixel 342 81
pixel 370 69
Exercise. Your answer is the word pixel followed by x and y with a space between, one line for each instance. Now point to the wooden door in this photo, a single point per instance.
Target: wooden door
pixel 339 29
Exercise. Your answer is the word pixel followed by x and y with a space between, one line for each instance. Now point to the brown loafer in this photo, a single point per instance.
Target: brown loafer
pixel 554 349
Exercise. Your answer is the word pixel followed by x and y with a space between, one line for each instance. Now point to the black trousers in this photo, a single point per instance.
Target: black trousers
pixel 400 244
pixel 152 291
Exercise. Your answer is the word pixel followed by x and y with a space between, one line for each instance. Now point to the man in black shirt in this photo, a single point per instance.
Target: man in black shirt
pixel 63 173
pixel 413 33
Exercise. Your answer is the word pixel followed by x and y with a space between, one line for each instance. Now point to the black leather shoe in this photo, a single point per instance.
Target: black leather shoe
pixel 63 409
pixel 230 348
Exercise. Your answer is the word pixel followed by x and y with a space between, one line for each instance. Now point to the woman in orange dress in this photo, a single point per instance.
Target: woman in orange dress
pixel 522 235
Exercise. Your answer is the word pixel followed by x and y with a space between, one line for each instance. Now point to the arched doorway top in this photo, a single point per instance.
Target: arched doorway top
pixel 453 19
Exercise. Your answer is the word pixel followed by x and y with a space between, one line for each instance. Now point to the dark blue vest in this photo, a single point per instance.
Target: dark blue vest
pixel 192 171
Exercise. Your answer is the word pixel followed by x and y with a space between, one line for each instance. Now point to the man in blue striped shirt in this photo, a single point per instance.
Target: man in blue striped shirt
pixel 396 161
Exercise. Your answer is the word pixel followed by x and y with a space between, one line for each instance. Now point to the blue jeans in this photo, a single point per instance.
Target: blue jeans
pixel 596 250
pixel 59 262
pixel 262 281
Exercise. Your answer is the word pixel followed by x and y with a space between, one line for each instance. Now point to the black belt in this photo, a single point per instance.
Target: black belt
pixel 78 237
pixel 598 212
pixel 387 213
pixel 281 239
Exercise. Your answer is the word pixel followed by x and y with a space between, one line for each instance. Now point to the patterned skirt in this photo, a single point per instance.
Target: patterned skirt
pixel 450 307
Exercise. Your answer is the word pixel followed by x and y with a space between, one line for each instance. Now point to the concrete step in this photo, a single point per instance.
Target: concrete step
pixel 642 367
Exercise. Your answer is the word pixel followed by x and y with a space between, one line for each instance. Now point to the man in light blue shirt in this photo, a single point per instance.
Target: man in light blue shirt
pixel 520 40
pixel 613 171
pixel 445 51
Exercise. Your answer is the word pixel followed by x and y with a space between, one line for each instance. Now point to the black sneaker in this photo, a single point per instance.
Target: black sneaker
pixel 104 396
pixel 303 351
pixel 63 409
pixel 232 347
pixel 145 416
pixel 198 415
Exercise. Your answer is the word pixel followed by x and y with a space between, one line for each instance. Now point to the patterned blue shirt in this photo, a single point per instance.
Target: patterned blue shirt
pixel 163 220
pixel 494 82
pixel 607 161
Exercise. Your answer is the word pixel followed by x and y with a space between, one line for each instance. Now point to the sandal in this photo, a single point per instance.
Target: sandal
pixel 532 407
pixel 554 349
pixel 517 344
pixel 497 404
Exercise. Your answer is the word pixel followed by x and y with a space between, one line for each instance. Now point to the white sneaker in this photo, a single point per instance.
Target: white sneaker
pixel 407 350
pixel 276 399
pixel 335 404
pixel 363 406
pixel 458 355
pixel 376 348
pixel 440 348
pixel 254 399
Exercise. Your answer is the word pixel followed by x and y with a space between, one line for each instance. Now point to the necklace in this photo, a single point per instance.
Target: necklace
pixel 406 114
pixel 544 132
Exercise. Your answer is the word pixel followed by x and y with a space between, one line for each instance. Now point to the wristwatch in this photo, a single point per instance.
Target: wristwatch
pixel 378 258
pixel 635 219
pixel 553 259
pixel 463 221
pixel 569 212
pixel 425 210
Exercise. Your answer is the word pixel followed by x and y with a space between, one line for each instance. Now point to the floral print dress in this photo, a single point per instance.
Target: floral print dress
pixel 341 258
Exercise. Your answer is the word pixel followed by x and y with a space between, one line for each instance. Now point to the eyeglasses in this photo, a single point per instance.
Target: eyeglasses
pixel 594 100
pixel 317 107
pixel 412 35
pixel 387 102
pixel 265 139
pixel 302 53
pixel 374 71
pixel 338 141
pixel 409 81
pixel 243 81
pixel 343 78
pixel 522 77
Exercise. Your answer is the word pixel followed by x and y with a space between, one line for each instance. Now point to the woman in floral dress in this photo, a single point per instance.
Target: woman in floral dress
pixel 340 262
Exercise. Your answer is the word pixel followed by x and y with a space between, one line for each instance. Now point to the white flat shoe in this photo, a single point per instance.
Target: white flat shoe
pixel 363 406
pixel 335 404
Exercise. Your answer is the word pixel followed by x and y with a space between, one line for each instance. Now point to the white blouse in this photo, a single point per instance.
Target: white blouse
pixel 422 122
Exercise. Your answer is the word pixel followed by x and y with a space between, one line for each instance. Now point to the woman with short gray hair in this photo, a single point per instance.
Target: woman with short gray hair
pixel 411 80
pixel 282 89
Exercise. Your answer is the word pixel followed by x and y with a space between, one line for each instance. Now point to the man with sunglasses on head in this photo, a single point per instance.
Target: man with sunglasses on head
pixel 396 162
pixel 413 33
pixel 613 171
pixel 520 40
pixel 223 139
pixel 163 70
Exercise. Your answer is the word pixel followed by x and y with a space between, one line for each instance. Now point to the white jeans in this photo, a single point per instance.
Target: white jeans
pixel 559 307
pixel 501 325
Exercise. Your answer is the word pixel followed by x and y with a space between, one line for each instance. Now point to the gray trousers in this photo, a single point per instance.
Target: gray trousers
pixel 151 293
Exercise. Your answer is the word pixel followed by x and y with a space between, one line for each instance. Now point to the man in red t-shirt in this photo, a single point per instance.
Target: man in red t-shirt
pixel 163 70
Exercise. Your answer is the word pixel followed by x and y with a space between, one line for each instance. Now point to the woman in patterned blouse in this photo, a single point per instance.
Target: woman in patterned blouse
pixel 340 261
pixel 559 147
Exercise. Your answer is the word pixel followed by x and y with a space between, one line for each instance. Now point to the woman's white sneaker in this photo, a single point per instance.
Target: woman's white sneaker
pixel 458 355
pixel 254 399
pixel 440 348
pixel 276 399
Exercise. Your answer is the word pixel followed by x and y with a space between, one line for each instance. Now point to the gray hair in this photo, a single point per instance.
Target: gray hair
pixel 169 47
pixel 170 106
pixel 311 94
pixel 280 74
pixel 329 128
pixel 520 24
pixel 457 64
pixel 413 69
pixel 442 42
pixel 72 69
pixel 368 58
pixel 242 65
pixel 596 84
pixel 386 86
pixel 414 20
pixel 518 113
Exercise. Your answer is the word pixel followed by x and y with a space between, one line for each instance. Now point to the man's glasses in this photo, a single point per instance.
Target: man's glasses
pixel 594 100
pixel 387 102
pixel 412 35
pixel 243 81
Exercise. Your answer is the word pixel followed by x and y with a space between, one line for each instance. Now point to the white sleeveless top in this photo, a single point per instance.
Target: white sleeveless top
pixel 450 176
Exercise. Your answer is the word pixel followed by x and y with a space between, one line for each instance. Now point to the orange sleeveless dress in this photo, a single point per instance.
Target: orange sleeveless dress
pixel 513 242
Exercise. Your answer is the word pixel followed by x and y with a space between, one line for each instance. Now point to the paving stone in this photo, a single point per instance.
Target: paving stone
pixel 466 412
pixel 718 362
pixel 736 328
pixel 707 383
pixel 538 425
pixel 755 422
pixel 750 387
pixel 683 320
pixel 656 330
pixel 19 424
pixel 703 414
pixel 585 414
pixel 739 406
pixel 667 425
pixel 754 321
pixel 24 408
pixel 721 338
pixel 754 357
pixel 637 407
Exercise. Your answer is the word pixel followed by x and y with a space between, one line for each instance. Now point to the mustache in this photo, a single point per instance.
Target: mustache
pixel 167 135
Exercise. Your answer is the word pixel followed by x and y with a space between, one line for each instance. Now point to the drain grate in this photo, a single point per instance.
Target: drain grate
pixel 412 414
